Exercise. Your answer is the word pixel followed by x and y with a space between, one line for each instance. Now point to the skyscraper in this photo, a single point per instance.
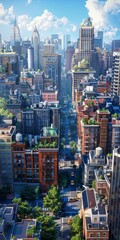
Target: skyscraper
pixel 114 208
pixel 115 44
pixel 36 45
pixel 85 49
pixel 30 58
pixel 16 38
pixel 86 39
pixel 16 32
pixel 52 65
pixel 69 53
pixel 116 74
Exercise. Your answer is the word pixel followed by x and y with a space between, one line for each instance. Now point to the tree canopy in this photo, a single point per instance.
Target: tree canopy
pixel 48 227
pixel 76 228
pixel 73 146
pixel 24 209
pixel 52 200
pixel 3 110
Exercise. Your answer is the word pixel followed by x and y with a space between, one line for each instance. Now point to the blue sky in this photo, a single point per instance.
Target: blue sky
pixel 59 16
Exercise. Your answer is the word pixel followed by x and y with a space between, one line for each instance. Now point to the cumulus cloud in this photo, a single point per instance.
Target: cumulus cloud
pixel 23 21
pixel 46 21
pixel 100 11
pixel 6 15
pixel 112 6
pixel 97 13
pixel 110 33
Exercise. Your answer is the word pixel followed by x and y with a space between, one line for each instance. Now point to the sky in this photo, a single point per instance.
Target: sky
pixel 59 16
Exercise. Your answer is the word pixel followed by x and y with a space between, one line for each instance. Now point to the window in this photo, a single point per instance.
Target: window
pixel 91 234
pixel 104 234
pixel 98 235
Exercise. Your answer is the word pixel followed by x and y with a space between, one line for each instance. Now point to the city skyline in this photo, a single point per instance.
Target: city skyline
pixel 62 18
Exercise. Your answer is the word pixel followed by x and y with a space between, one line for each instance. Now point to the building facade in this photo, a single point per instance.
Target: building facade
pixel 36 46
pixel 114 206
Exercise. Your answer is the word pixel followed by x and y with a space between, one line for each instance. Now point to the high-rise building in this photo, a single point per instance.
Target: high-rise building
pixel 85 49
pixel 115 45
pixel 86 39
pixel 30 57
pixel 114 205
pixel 116 74
pixel 65 41
pixel 9 60
pixel 69 53
pixel 7 135
pixel 98 40
pixel 100 36
pixel 16 32
pixel 40 115
pixel 36 46
pixel 16 38
pixel 80 74
pixel 52 66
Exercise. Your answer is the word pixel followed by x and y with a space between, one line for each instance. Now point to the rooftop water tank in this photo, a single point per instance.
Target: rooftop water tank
pixel 99 151
pixel 19 137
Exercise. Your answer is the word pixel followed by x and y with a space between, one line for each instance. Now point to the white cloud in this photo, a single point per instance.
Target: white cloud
pixel 23 21
pixel 46 21
pixel 29 1
pixel 110 34
pixel 112 6
pixel 100 11
pixel 6 15
pixel 97 13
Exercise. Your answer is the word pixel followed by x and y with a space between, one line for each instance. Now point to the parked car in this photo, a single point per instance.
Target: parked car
pixel 69 220
pixel 73 199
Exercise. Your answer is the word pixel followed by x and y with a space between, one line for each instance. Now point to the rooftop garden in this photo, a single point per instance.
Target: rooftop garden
pixel 90 121
pixel 3 110
pixel 45 144
pixel 83 66
pixel 103 110
pixel 115 115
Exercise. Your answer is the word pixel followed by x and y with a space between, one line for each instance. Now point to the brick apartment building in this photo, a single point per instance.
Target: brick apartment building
pixel 35 161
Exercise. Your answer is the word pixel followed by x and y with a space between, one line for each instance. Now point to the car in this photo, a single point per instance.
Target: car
pixel 72 182
pixel 69 220
pixel 73 199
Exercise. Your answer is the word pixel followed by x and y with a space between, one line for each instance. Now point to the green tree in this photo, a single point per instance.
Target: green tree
pixel 24 209
pixel 77 237
pixel 76 228
pixel 63 179
pixel 48 227
pixel 93 184
pixel 52 200
pixel 36 212
pixel 3 102
pixel 73 146
pixel 76 225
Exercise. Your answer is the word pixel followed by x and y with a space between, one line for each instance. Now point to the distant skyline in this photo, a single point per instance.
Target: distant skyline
pixel 62 17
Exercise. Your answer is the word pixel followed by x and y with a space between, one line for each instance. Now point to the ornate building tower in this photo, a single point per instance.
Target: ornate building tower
pixel 16 38
pixel 36 44
pixel 86 39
